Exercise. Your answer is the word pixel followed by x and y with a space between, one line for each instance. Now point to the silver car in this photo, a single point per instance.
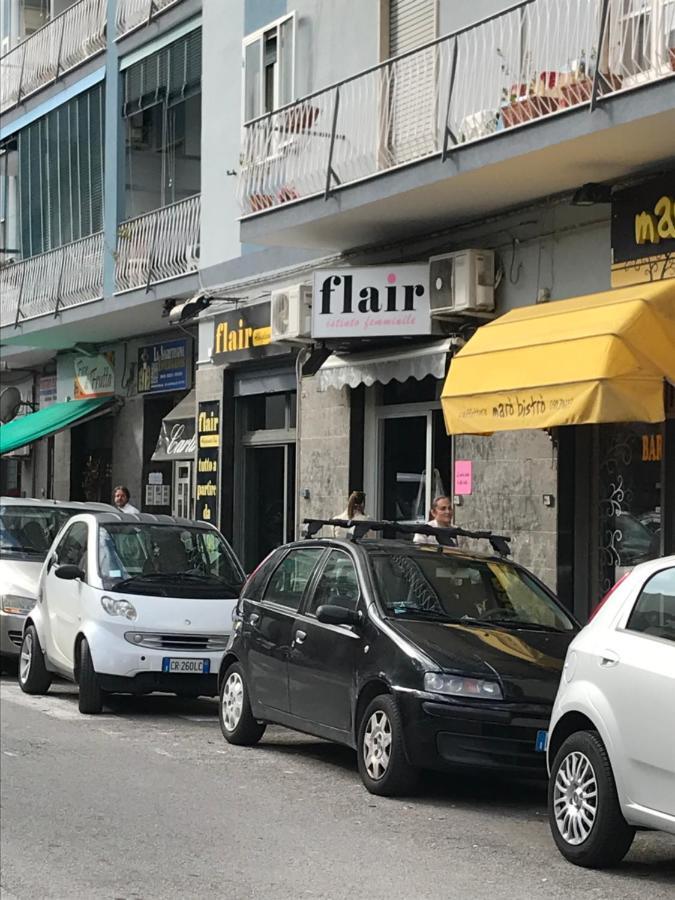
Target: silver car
pixel 27 529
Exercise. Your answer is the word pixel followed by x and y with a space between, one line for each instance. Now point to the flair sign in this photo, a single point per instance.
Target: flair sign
pixel 377 301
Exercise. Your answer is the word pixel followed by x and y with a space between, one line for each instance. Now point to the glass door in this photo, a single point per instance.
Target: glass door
pixel 182 489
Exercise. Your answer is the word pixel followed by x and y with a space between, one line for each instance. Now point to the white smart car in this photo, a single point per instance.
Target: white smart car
pixel 131 604
pixel 611 748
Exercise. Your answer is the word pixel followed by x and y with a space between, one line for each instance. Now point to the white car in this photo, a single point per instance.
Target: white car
pixel 611 746
pixel 27 529
pixel 131 604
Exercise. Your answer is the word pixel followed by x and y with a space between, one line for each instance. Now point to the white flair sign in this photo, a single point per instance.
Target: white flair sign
pixel 376 301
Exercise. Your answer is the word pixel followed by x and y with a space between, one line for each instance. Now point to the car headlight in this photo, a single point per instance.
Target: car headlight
pixel 115 607
pixel 459 686
pixel 17 605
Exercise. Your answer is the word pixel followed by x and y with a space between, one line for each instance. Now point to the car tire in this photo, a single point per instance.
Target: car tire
pixel 33 675
pixel 582 780
pixel 383 765
pixel 90 700
pixel 234 710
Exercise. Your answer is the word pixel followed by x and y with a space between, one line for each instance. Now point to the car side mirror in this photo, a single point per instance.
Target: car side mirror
pixel 337 615
pixel 68 572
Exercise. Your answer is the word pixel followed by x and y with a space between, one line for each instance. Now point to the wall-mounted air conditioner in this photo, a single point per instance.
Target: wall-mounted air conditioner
pixel 462 282
pixel 291 314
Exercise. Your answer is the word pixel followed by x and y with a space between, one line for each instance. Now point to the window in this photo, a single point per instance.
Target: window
pixel 72 549
pixel 30 529
pixel 289 581
pixel 268 68
pixel 654 610
pixel 61 174
pixel 338 585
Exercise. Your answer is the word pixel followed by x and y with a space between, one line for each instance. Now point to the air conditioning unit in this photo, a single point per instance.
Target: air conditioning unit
pixel 462 282
pixel 291 314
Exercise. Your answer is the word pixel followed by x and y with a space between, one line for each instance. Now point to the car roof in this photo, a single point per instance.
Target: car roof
pixel 388 545
pixel 112 516
pixel 645 569
pixel 46 503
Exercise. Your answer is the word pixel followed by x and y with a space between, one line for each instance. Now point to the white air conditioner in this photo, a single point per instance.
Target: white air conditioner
pixel 462 282
pixel 291 314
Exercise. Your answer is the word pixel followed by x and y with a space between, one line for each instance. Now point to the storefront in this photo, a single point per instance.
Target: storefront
pixel 249 477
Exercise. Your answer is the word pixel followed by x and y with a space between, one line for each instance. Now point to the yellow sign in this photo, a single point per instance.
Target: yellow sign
pixel 651 227
pixel 229 340
pixel 652 447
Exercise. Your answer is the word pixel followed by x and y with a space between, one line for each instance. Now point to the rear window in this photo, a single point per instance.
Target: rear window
pixel 429 584
pixel 30 530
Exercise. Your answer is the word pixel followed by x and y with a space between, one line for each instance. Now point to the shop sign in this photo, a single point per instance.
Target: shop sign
pixel 643 232
pixel 375 301
pixel 652 447
pixel 47 390
pixel 163 367
pixel 177 440
pixel 245 334
pixel 94 376
pixel 208 451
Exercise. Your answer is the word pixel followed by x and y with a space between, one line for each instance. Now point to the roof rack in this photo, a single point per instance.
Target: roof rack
pixel 445 536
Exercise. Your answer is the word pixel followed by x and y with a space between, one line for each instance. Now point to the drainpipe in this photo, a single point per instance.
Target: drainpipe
pixel 300 360
pixel 113 183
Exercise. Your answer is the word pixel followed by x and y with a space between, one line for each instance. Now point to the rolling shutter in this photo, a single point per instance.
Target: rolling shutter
pixel 411 23
pixel 167 76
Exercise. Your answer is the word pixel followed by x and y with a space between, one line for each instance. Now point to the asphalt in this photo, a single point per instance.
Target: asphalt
pixel 148 801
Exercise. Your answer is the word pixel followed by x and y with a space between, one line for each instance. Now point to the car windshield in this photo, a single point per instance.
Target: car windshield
pixel 147 554
pixel 30 530
pixel 433 585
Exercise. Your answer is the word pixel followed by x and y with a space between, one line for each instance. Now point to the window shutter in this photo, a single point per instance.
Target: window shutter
pixel 169 75
pixel 411 23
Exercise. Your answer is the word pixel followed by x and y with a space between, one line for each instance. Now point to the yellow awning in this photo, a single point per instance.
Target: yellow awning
pixel 599 358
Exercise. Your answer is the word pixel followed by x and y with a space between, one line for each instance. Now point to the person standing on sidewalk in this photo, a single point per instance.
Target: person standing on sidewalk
pixel 121 497
pixel 440 516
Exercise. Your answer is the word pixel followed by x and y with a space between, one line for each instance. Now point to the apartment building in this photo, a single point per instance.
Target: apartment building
pixel 263 242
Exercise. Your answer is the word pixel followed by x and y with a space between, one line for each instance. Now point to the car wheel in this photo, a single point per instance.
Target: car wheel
pixel 91 695
pixel 33 675
pixel 383 766
pixel 584 812
pixel 236 719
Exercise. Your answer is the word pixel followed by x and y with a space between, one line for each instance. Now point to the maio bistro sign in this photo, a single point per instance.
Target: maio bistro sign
pixel 377 301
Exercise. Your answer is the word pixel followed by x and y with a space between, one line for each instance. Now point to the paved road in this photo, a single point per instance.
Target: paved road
pixel 147 801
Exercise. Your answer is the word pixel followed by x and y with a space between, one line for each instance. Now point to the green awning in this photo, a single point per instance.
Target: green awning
pixel 56 417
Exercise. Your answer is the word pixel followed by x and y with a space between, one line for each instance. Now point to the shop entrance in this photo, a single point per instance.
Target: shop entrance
pixel 269 514
pixel 407 453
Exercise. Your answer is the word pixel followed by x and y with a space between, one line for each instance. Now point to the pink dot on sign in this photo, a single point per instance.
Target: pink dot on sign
pixel 391 278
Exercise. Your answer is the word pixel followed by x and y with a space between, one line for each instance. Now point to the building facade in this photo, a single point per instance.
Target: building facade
pixel 177 183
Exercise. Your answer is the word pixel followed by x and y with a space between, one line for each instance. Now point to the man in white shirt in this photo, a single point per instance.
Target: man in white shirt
pixel 121 497
pixel 440 517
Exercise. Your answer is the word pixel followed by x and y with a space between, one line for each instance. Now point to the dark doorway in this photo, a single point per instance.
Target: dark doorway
pixel 91 460
pixel 270 493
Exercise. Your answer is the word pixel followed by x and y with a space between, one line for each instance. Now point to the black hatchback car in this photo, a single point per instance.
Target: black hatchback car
pixel 417 656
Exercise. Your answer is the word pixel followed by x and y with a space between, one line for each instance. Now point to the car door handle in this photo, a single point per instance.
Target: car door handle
pixel 609 658
pixel 300 636
pixel 253 619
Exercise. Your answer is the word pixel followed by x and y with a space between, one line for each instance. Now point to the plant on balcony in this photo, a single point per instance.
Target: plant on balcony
pixel 524 101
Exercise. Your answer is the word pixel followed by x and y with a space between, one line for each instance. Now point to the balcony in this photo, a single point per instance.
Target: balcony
pixel 68 40
pixel 516 84
pixel 133 14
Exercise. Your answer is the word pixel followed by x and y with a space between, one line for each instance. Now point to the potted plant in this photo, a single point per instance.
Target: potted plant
pixel 523 101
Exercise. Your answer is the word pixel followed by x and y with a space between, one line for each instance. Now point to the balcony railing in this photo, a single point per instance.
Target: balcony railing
pixel 133 14
pixel 44 284
pixel 69 39
pixel 536 59
pixel 159 245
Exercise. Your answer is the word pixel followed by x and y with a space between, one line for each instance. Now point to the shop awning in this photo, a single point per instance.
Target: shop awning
pixel 384 366
pixel 598 358
pixel 56 417
pixel 177 438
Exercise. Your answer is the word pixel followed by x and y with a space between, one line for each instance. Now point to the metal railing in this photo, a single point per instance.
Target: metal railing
pixel 69 39
pixel 133 14
pixel 159 245
pixel 535 59
pixel 43 285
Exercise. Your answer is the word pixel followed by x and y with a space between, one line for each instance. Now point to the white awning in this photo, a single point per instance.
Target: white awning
pixel 384 366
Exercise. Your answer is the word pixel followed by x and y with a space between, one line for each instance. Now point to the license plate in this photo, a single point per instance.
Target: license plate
pixel 541 742
pixel 186 666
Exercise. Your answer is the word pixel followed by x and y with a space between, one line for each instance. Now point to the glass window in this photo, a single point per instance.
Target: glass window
pixel 289 581
pixel 72 549
pixel 30 530
pixel 338 585
pixel 268 69
pixel 266 411
pixel 168 556
pixel 654 610
pixel 430 584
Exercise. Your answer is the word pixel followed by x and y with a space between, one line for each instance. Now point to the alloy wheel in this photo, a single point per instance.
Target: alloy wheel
pixel 377 744
pixel 233 701
pixel 26 657
pixel 575 798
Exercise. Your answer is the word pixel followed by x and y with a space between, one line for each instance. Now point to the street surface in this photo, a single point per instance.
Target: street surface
pixel 148 801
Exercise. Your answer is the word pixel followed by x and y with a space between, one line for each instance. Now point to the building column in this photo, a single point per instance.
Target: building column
pixel 113 182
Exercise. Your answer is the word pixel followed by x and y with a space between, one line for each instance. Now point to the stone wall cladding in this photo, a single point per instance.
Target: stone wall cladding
pixel 512 470
pixel 324 453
